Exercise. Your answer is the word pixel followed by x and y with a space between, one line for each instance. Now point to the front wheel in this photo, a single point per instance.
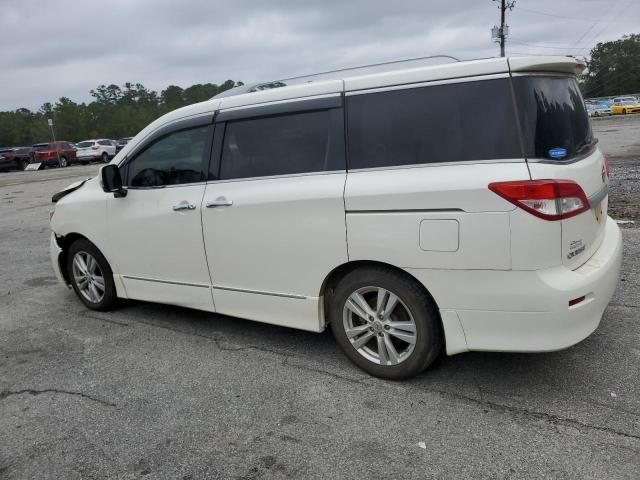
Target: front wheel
pixel 105 157
pixel 91 276
pixel 385 323
pixel 624 111
pixel 63 162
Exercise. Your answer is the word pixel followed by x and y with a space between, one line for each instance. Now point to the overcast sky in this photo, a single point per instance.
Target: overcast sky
pixel 55 48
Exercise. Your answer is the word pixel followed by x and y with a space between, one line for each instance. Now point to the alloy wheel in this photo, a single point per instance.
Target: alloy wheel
pixel 88 277
pixel 379 325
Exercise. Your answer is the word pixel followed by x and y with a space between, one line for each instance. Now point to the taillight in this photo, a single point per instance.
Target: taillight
pixel 606 165
pixel 547 199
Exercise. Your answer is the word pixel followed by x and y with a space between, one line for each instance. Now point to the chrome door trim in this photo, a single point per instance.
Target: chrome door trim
pixel 596 198
pixel 258 292
pixel 221 201
pixel 168 282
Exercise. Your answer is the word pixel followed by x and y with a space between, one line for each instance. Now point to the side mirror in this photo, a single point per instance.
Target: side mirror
pixel 112 181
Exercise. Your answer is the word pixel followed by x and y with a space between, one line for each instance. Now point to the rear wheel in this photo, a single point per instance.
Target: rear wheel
pixel 23 164
pixel 91 276
pixel 105 157
pixel 385 323
pixel 624 111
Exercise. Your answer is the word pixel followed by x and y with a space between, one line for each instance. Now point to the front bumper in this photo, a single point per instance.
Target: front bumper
pixel 55 252
pixel 527 311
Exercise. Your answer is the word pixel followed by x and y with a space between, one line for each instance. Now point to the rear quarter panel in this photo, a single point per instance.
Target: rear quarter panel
pixel 395 215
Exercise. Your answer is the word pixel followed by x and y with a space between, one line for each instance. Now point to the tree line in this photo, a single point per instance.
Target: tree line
pixel 613 68
pixel 115 112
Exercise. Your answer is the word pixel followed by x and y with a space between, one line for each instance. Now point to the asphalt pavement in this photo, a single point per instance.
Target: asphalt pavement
pixel 152 391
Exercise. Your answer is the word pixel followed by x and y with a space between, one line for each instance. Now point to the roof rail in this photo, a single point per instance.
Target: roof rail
pixel 255 87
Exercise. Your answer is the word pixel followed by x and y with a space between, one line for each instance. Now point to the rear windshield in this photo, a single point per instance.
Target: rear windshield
pixel 85 144
pixel 42 146
pixel 553 116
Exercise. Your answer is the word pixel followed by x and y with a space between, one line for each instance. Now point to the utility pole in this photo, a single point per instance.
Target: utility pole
pixel 499 34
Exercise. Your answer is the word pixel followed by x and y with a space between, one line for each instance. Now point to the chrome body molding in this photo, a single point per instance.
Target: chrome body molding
pixel 272 294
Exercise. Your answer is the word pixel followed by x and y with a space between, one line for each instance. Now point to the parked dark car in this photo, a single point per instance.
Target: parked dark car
pixel 15 157
pixel 47 153
pixel 121 143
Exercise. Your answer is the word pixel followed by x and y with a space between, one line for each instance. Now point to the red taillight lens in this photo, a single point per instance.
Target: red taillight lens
pixel 547 199
pixel 606 165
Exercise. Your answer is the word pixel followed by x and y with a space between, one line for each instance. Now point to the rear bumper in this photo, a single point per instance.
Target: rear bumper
pixel 528 311
pixel 88 156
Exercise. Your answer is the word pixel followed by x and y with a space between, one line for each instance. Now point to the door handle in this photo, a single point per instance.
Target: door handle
pixel 220 202
pixel 184 205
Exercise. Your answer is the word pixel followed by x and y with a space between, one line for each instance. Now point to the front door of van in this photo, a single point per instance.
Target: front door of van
pixel 156 228
pixel 273 215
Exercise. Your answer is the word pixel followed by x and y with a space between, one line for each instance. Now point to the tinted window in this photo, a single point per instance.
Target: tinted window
pixel 555 123
pixel 105 142
pixel 174 159
pixel 283 145
pixel 440 123
pixel 85 144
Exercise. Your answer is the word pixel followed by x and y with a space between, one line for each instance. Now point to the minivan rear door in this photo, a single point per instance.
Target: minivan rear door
pixel 559 144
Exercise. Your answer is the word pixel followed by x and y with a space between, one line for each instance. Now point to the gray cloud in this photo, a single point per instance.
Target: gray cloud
pixel 67 47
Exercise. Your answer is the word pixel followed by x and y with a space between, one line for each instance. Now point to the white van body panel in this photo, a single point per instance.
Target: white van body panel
pixel 270 252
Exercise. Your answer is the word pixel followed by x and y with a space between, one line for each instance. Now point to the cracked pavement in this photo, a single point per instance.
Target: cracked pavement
pixel 164 392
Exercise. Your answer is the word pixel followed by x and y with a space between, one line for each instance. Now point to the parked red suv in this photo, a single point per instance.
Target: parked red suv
pixel 47 153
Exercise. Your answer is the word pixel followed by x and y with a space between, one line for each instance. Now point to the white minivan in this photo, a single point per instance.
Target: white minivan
pixel 441 209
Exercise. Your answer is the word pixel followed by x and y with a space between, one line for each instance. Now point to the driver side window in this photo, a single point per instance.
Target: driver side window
pixel 174 159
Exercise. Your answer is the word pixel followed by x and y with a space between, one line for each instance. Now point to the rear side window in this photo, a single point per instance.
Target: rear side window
pixel 283 145
pixel 456 122
pixel 554 119
pixel 105 142
pixel 85 144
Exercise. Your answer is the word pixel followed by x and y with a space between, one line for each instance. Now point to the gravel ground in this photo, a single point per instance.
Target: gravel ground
pixel 620 140
pixel 151 391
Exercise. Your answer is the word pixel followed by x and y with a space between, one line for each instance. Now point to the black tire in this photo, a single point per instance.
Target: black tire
pixel 109 299
pixel 624 111
pixel 428 330
pixel 23 164
pixel 63 162
pixel 105 157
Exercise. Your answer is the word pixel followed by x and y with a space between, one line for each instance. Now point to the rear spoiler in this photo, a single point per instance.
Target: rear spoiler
pixel 547 64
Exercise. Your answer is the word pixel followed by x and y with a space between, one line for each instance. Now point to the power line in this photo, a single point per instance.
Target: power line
pixel 537 45
pixel 547 14
pixel 607 22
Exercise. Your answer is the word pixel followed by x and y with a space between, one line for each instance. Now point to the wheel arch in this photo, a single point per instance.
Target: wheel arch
pixel 65 242
pixel 338 273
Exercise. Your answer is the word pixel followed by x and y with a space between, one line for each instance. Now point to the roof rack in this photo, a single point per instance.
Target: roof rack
pixel 256 87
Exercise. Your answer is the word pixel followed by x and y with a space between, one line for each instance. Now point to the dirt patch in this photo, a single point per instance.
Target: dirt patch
pixel 624 191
